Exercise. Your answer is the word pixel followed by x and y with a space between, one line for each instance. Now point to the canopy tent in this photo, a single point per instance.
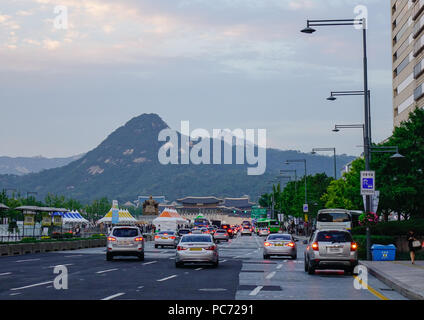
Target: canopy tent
pixel 124 217
pixel 169 219
pixel 3 207
pixel 73 217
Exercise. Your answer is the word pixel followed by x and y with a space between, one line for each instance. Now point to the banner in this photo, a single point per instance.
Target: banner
pixel 47 221
pixel 57 220
pixel 29 220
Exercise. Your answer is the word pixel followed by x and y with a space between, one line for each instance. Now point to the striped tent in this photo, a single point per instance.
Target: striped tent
pixel 124 217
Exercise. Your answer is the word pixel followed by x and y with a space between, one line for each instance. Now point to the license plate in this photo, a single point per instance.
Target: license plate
pixel 164 238
pixel 335 250
pixel 195 249
pixel 124 243
pixel 278 245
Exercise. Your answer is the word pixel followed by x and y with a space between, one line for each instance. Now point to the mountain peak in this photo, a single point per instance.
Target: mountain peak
pixel 147 121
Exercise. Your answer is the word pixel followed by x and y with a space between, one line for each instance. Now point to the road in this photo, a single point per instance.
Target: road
pixel 243 274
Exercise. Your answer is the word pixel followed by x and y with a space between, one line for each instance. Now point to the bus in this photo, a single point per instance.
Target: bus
pixel 272 224
pixel 334 219
pixel 201 221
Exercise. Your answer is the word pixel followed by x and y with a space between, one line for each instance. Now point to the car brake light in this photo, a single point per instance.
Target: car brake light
pixel 138 239
pixel 157 237
pixel 353 246
pixel 211 248
pixel 291 244
pixel 179 248
pixel 111 239
pixel 315 246
pixel 267 244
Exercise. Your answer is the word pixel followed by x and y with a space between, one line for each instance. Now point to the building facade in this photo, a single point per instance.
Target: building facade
pixel 408 57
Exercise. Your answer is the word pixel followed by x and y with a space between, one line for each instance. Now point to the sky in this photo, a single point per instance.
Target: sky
pixel 216 63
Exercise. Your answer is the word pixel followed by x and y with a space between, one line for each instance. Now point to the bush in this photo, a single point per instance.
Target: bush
pixel 28 240
pixel 98 236
pixel 393 228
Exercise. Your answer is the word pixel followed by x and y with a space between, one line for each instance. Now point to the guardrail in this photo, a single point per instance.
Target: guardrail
pixel 12 249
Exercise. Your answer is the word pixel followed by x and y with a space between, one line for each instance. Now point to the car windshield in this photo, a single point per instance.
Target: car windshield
pixel 283 237
pixel 125 232
pixel 196 239
pixel 334 236
pixel 334 217
pixel 184 231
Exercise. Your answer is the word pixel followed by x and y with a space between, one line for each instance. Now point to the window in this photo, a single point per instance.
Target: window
pixel 283 237
pixel 334 217
pixel 125 232
pixel 196 239
pixel 334 236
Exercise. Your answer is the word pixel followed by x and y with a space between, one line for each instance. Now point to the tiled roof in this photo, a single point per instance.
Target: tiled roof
pixel 202 200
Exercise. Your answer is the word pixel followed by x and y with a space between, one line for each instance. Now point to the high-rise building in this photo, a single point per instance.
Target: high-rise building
pixel 408 57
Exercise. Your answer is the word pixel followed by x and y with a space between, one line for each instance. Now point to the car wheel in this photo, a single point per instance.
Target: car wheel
pixel 109 257
pixel 306 266
pixel 178 265
pixel 156 246
pixel 266 256
pixel 141 257
pixel 294 257
pixel 311 270
pixel 216 264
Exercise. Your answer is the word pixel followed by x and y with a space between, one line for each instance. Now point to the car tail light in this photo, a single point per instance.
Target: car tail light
pixel 138 239
pixel 111 239
pixel 211 248
pixel 179 248
pixel 267 244
pixel 157 237
pixel 315 246
pixel 165 234
pixel 173 238
pixel 353 246
pixel 291 244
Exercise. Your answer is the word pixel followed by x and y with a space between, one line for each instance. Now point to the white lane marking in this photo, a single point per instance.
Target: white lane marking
pixel 15 294
pixel 104 271
pixel 32 285
pixel 279 266
pixel 27 260
pixel 255 291
pixel 49 287
pixel 223 261
pixel 171 258
pixel 213 289
pixel 198 269
pixel 140 287
pixel 74 255
pixel 270 275
pixel 167 278
pixel 144 264
pixel 5 274
pixel 114 296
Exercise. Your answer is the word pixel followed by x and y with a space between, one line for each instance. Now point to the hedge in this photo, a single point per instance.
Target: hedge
pixel 393 228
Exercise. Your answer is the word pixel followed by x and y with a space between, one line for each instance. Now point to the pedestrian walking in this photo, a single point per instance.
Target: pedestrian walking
pixel 413 244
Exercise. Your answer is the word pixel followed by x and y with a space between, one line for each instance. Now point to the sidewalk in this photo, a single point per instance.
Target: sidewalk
pixel 402 276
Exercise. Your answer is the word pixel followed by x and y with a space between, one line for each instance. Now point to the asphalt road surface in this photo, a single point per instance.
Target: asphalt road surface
pixel 243 274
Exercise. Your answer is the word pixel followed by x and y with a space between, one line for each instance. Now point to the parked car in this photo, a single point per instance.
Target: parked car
pixel 197 249
pixel 125 241
pixel 331 249
pixel 278 244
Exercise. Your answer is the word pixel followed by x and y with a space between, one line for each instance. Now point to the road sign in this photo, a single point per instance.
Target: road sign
pixel 305 208
pixel 367 183
pixel 258 213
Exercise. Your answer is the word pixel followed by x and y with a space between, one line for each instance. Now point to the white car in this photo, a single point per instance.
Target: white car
pixel 166 238
pixel 264 232
pixel 125 241
pixel 246 230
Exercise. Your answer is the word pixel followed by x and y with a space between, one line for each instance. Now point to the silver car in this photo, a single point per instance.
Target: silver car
pixel 331 249
pixel 280 245
pixel 246 230
pixel 221 235
pixel 195 248
pixel 125 241
pixel 263 232
pixel 166 239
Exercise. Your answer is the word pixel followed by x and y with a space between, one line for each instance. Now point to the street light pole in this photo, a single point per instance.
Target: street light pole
pixel 355 22
pixel 315 150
